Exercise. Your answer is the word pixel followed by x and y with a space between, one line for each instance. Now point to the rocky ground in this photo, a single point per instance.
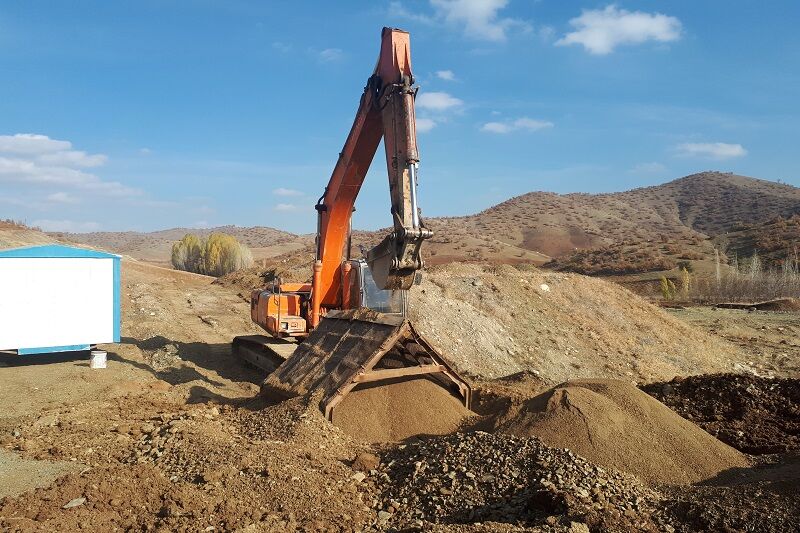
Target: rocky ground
pixel 770 340
pixel 171 436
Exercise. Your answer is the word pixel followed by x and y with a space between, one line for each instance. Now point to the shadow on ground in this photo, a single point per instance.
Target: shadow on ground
pixel 9 359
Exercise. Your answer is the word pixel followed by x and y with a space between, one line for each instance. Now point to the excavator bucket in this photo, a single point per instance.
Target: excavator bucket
pixel 354 347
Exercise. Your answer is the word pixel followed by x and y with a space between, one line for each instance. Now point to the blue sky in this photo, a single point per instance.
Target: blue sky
pixel 153 114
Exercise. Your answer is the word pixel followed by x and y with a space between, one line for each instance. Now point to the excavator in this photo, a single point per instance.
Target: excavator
pixel 348 329
pixel 380 279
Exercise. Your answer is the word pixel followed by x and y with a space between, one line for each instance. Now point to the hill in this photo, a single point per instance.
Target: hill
pixel 773 240
pixel 650 229
pixel 156 246
pixel 15 234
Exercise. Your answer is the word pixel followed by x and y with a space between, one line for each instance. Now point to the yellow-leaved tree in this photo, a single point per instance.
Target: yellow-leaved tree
pixel 216 255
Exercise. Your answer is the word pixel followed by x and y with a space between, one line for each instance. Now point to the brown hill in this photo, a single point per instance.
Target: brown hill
pixel 775 240
pixel 15 234
pixel 688 210
pixel 641 230
pixel 156 246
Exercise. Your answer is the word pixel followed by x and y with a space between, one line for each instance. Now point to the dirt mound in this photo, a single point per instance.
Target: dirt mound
pixel 753 414
pixel 616 425
pixel 786 305
pixel 495 321
pixel 476 477
pixel 396 411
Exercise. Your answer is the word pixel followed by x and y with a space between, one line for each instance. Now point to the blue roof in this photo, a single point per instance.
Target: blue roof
pixel 55 251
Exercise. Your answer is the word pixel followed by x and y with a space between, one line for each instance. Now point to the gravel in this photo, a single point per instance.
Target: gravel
pixel 477 477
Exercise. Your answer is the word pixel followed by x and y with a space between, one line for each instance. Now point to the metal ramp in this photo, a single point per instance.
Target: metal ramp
pixel 358 346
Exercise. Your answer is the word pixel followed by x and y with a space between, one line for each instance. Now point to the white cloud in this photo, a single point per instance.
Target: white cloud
pixel 602 30
pixel 446 75
pixel 425 124
pixel 62 198
pixel 648 168
pixel 281 191
pixel 69 226
pixel 73 158
pixel 145 151
pixel 31 144
pixel 479 18
pixel 398 10
pixel 32 159
pixel 711 150
pixel 496 127
pixel 331 54
pixel 286 207
pixel 437 101
pixel 520 124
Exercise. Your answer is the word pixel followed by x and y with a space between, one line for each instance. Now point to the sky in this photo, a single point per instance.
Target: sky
pixel 164 113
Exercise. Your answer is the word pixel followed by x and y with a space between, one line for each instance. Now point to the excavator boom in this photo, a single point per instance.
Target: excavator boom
pixel 386 110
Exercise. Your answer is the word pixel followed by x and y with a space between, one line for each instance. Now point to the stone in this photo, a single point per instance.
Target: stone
pixel 578 527
pixel 366 462
pixel 74 503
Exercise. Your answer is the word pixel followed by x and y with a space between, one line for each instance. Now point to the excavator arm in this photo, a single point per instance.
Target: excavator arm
pixel 386 110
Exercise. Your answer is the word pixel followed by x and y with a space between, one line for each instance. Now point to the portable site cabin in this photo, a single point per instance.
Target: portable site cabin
pixel 58 298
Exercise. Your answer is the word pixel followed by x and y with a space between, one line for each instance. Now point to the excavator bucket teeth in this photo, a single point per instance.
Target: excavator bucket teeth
pixel 360 346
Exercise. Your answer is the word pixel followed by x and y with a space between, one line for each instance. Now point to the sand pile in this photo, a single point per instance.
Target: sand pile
pixel 614 424
pixel 396 411
pixel 495 321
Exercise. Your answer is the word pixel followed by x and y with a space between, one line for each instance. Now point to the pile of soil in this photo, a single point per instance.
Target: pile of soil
pixel 786 305
pixel 396 411
pixel 500 320
pixel 469 478
pixel 616 425
pixel 753 414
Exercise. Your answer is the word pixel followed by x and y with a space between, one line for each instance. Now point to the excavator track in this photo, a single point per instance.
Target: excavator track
pixel 263 352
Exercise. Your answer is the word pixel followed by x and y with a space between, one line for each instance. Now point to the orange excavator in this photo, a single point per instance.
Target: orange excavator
pixel 379 280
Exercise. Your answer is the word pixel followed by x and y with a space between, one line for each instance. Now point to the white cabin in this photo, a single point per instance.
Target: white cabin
pixel 58 298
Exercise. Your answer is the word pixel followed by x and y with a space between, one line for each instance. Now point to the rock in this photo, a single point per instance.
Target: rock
pixel 383 516
pixel 359 477
pixel 74 503
pixel 366 462
pixel 578 527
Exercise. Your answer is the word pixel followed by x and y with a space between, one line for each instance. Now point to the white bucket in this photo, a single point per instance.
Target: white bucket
pixel 97 359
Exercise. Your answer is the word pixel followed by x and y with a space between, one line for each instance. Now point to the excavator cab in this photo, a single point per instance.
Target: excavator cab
pixel 364 292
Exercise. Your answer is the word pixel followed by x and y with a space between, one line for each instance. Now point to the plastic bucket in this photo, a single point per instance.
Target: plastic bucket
pixel 97 359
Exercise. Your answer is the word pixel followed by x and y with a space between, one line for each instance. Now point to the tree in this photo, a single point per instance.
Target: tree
pixel 667 288
pixel 686 283
pixel 187 253
pixel 217 255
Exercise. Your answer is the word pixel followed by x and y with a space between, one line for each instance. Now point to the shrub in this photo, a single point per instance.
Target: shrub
pixel 217 255
pixel 667 288
pixel 187 254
